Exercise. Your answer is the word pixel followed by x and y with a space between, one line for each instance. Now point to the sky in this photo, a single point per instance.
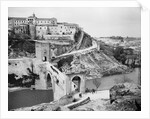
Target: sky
pixel 97 21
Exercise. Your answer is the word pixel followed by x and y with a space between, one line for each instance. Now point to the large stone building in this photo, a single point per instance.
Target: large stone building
pixel 41 28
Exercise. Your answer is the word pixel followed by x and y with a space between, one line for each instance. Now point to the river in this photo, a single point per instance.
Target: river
pixel 109 81
pixel 27 97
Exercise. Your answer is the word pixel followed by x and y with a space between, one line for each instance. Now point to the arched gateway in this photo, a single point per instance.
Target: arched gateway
pixel 49 81
pixel 77 81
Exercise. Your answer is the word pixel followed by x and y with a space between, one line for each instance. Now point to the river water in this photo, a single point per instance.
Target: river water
pixel 107 82
pixel 27 97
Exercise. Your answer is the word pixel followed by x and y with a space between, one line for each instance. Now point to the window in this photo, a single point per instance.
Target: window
pixel 44 58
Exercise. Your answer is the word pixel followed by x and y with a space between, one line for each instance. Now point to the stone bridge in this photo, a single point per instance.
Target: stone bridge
pixel 49 76
pixel 62 84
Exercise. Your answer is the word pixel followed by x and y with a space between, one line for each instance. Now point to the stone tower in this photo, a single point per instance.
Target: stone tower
pixel 43 51
pixel 32 24
pixel 32 31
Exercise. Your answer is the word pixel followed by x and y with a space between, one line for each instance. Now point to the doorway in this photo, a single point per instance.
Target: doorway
pixel 44 59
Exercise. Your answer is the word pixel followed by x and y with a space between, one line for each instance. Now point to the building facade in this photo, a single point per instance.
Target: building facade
pixel 37 28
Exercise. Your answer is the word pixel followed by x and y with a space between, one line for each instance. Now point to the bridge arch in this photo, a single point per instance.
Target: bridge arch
pixel 77 80
pixel 49 80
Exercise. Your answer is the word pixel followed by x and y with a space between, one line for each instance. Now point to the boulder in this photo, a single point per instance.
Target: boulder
pixel 126 96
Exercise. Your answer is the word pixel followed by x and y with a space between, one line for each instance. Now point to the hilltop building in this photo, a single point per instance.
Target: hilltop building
pixel 42 28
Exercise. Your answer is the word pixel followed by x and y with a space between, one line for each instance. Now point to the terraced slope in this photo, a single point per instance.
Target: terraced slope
pixel 94 63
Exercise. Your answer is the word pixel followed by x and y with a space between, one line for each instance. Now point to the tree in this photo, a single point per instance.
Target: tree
pixel 120 55
pixel 96 83
pixel 20 43
pixel 118 51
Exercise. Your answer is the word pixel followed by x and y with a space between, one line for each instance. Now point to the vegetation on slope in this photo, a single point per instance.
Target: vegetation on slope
pixel 19 45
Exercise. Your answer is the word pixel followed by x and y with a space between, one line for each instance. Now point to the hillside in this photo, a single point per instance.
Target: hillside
pixel 19 45
pixel 95 63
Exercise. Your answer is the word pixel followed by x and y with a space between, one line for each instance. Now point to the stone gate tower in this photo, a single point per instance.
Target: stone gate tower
pixel 32 23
